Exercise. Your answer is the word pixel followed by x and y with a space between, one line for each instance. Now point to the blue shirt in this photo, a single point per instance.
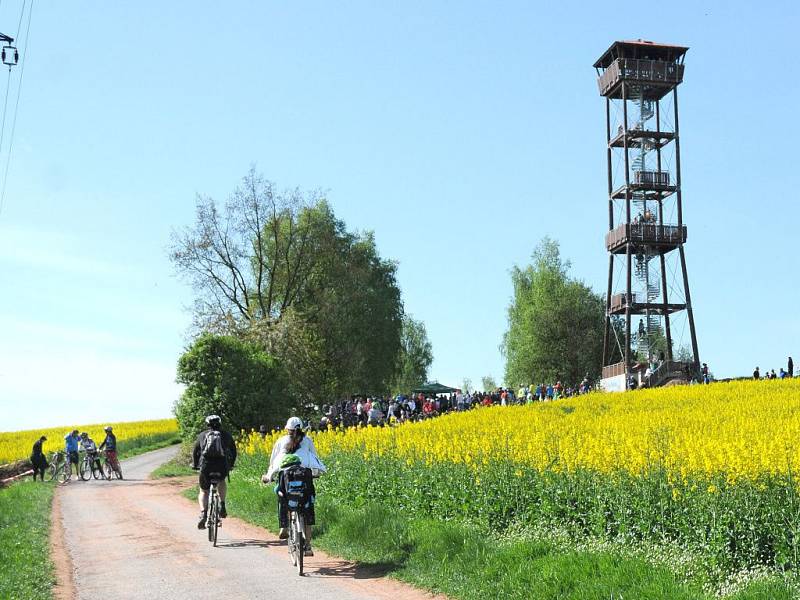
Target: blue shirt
pixel 72 442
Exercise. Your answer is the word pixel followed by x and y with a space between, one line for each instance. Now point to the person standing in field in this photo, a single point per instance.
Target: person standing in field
pixel 790 367
pixel 38 459
pixel 756 374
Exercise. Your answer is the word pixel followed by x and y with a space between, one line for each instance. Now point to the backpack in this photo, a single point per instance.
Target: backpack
pixel 212 445
pixel 295 488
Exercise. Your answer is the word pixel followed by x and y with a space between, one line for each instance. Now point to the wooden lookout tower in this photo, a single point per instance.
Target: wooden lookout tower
pixel 649 334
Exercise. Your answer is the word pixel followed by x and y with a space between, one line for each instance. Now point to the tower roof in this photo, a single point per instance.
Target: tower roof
pixel 640 49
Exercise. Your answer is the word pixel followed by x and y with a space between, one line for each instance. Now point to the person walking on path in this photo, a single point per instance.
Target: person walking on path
pixel 38 459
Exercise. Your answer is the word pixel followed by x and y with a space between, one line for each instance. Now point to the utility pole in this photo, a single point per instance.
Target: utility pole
pixel 9 53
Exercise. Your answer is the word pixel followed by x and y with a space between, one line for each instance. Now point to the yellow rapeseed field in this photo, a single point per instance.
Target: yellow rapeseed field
pixel 741 430
pixel 17 445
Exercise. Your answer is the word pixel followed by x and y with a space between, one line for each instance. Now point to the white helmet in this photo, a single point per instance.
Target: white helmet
pixel 294 423
pixel 212 418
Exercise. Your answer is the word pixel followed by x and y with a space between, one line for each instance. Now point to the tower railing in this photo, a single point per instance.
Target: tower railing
pixel 656 72
pixel 645 233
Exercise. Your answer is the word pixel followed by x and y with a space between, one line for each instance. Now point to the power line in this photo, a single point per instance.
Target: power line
pixel 16 104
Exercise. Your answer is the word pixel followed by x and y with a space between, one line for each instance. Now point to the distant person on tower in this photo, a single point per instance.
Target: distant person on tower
pixel 214 452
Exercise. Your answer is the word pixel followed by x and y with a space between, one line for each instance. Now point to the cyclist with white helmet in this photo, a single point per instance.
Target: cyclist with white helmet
pixel 296 443
pixel 214 452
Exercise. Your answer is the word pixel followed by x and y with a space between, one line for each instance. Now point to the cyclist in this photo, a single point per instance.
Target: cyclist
pixel 71 447
pixel 38 459
pixel 90 448
pixel 110 445
pixel 296 484
pixel 214 452
pixel 298 443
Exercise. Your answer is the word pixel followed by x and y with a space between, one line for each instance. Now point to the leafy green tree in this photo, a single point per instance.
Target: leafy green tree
pixel 281 271
pixel 466 385
pixel 415 357
pixel 488 383
pixel 231 378
pixel 555 323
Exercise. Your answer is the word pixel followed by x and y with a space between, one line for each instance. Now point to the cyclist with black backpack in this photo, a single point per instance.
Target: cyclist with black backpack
pixel 213 452
pixel 303 458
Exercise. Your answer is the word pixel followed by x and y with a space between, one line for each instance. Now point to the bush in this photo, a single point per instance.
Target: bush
pixel 231 378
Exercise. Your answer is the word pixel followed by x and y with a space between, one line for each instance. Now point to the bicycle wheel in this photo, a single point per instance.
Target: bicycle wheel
pixel 52 469
pixel 86 470
pixel 66 472
pixel 212 520
pixel 108 470
pixel 97 470
pixel 292 541
pixel 300 536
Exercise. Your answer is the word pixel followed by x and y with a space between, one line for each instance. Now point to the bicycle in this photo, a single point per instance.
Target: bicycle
pixel 91 467
pixel 297 538
pixel 56 467
pixel 213 520
pixel 111 467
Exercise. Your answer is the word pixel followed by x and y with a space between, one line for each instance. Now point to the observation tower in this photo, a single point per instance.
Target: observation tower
pixel 650 337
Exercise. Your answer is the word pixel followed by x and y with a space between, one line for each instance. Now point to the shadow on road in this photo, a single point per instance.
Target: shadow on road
pixel 250 543
pixel 348 570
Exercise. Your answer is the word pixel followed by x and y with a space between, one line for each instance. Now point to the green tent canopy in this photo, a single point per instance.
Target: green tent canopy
pixel 433 388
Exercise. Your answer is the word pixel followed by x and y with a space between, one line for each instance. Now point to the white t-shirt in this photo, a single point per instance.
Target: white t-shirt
pixel 307 453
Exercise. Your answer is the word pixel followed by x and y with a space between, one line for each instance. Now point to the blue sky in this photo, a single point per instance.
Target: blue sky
pixel 461 133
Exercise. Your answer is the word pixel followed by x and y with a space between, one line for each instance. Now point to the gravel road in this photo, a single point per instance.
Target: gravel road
pixel 138 538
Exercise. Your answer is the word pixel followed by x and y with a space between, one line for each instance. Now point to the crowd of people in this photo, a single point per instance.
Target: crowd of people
pixel 74 443
pixel 379 411
pixel 781 374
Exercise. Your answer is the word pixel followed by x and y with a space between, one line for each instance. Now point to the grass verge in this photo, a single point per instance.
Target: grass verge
pixel 128 450
pixel 465 562
pixel 177 466
pixel 26 571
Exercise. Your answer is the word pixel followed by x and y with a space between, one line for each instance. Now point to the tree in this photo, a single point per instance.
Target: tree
pixel 466 385
pixel 250 260
pixel 488 383
pixel 230 378
pixel 282 272
pixel 555 323
pixel 415 357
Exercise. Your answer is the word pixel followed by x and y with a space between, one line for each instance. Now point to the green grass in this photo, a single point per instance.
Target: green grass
pixel 26 571
pixel 129 448
pixel 177 466
pixel 465 560
pixel 451 558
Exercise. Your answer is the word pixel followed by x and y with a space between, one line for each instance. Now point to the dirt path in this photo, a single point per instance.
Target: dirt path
pixel 138 538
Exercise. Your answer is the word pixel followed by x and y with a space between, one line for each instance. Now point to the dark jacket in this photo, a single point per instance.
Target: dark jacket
pixel 110 443
pixel 38 459
pixel 222 465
